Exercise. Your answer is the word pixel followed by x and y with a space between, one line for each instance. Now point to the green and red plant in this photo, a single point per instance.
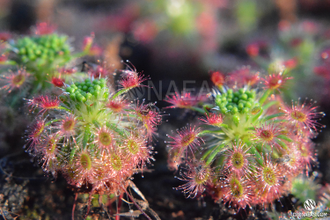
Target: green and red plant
pixel 303 49
pixel 94 136
pixel 39 62
pixel 249 146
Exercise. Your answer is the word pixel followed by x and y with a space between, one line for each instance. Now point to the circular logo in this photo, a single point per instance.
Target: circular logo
pixel 310 204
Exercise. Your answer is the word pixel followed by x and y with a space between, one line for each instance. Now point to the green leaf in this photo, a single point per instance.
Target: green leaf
pixel 86 137
pixel 51 121
pixel 282 144
pixel 265 96
pixel 255 117
pixel 273 116
pixel 114 127
pixel 209 132
pixel 214 153
pixel 269 104
pixel 207 153
pixel 72 153
pixel 283 137
pixel 202 111
pixel 256 154
pixel 96 123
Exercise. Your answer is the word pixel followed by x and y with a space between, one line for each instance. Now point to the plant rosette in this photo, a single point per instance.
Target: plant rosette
pixel 249 145
pixel 40 61
pixel 96 139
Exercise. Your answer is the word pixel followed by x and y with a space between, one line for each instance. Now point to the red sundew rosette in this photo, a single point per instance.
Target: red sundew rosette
pixel 15 80
pixel 238 191
pixel 186 141
pixel 184 100
pixel 238 161
pixel 197 175
pixel 213 119
pixel 304 116
pixel 270 178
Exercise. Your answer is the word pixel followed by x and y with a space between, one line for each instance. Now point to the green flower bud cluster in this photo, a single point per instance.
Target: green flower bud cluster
pixel 43 50
pixel 241 101
pixel 88 90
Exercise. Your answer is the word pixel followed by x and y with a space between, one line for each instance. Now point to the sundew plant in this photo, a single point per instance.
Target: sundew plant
pixel 302 47
pixel 94 137
pixel 41 61
pixel 249 145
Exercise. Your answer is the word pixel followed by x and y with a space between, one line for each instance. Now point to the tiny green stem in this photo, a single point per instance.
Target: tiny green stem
pixel 72 153
pixel 96 123
pixel 116 129
pixel 214 153
pixel 269 104
pixel 275 155
pixel 77 55
pixel 63 108
pixel 250 129
pixel 202 111
pixel 282 144
pixel 208 132
pixel 276 121
pixel 133 116
pixel 258 147
pixel 273 116
pixel 283 137
pixel 257 155
pixel 52 121
pixel 220 160
pixel 10 62
pixel 122 91
pixel 207 153
pixel 255 117
pixel 224 126
pixel 265 96
pixel 86 136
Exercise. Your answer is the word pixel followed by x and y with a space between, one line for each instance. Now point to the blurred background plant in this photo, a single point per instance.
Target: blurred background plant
pixel 304 188
pixel 40 62
pixel 302 47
